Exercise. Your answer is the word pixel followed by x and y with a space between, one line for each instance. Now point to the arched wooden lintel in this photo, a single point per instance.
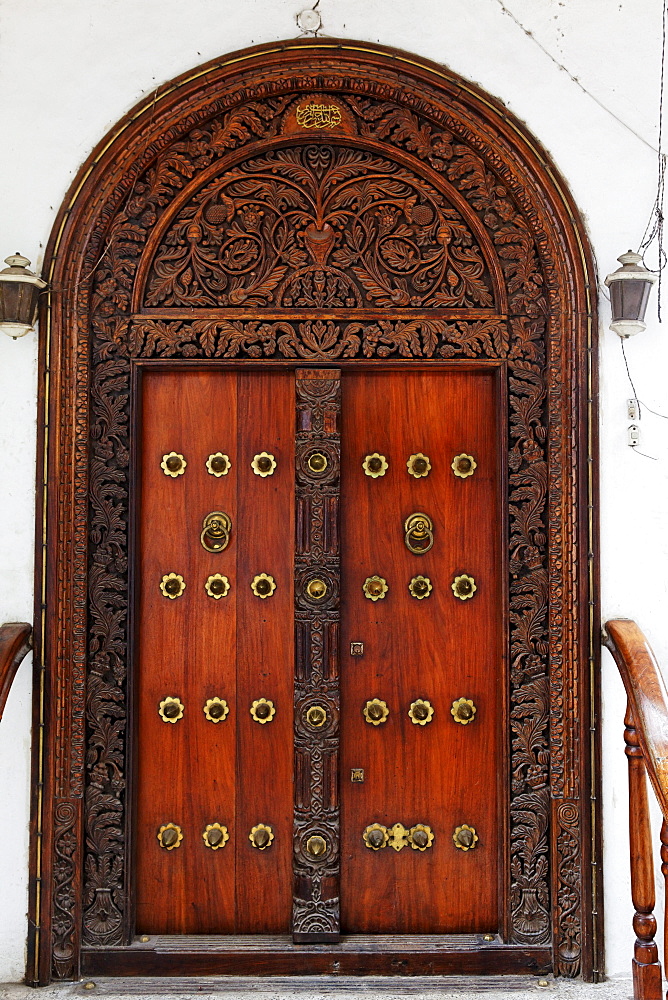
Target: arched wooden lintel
pixel 533 313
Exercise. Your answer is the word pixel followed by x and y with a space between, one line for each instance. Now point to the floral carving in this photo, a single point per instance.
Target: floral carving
pixel 318 226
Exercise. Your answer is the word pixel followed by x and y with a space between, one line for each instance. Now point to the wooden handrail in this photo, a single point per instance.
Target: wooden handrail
pixel 15 642
pixel 646 739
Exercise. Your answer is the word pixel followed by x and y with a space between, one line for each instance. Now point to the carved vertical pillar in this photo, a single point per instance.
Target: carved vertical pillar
pixel 317 561
pixel 646 965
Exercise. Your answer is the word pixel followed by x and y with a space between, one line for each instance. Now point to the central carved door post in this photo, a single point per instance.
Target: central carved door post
pixel 315 911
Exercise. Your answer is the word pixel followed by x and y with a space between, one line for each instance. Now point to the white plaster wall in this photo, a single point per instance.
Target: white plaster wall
pixel 69 69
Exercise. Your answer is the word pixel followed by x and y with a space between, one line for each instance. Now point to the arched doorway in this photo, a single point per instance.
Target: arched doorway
pixel 317 681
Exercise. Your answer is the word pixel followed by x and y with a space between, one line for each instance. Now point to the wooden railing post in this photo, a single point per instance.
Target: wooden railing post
pixel 664 872
pixel 646 965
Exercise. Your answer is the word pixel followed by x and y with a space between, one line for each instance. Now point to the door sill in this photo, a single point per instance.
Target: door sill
pixel 354 955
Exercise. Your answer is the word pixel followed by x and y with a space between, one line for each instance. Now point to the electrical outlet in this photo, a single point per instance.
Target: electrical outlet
pixel 634 436
pixel 632 409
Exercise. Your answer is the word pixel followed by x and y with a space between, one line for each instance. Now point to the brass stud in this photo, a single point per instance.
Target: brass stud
pixel 420 712
pixel 316 846
pixel 217 586
pixel 463 466
pixel 488 937
pixel 418 465
pixel 261 836
pixel 171 710
pixel 463 587
pixel 375 465
pixel 316 716
pixel 420 587
pixel 263 585
pixel 316 589
pixel 263 710
pixel 172 586
pixel 317 462
pixel 263 464
pixel 144 938
pixel 465 837
pixel 420 837
pixel 375 588
pixel 218 464
pixel 463 711
pixel 173 464
pixel 375 837
pixel 216 709
pixel 215 836
pixel 91 986
pixel 170 836
pixel 375 711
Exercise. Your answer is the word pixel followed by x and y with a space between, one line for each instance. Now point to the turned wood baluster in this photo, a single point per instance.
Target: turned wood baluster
pixel 664 872
pixel 646 965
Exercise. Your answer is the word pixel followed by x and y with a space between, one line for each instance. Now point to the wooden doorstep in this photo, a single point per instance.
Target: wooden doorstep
pixel 260 955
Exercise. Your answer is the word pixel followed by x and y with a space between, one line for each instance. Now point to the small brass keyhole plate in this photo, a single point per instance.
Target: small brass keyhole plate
pixel 375 588
pixel 261 836
pixel 216 709
pixel 218 464
pixel 263 710
pixel 420 587
pixel 216 529
pixel 418 465
pixel 171 709
pixel 375 465
pixel 263 585
pixel 316 589
pixel 376 836
pixel 419 533
pixel 463 587
pixel 316 716
pixel 215 836
pixel 421 712
pixel 172 585
pixel 357 775
pixel 263 464
pixel 317 462
pixel 463 711
pixel 173 464
pixel 398 837
pixel 463 466
pixel 217 586
pixel 420 837
pixel 465 838
pixel 170 836
pixel 375 711
pixel 316 846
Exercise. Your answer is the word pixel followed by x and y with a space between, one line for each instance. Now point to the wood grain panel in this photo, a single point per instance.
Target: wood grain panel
pixel 185 649
pixel 440 648
pixel 265 658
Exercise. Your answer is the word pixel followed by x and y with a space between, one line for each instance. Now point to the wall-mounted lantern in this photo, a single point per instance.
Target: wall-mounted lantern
pixel 19 296
pixel 629 286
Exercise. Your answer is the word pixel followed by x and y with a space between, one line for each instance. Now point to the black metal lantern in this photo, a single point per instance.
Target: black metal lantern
pixel 19 296
pixel 629 286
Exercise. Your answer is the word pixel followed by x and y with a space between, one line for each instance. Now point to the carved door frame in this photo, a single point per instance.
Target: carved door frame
pixel 94 335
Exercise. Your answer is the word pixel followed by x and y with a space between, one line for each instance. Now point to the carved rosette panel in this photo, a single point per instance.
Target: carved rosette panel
pixel 412 229
pixel 315 910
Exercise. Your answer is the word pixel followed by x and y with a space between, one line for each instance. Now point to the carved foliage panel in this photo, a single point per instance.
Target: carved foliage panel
pixel 331 227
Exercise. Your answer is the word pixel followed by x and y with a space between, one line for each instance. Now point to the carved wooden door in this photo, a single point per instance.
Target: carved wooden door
pixel 350 263
pixel 256 488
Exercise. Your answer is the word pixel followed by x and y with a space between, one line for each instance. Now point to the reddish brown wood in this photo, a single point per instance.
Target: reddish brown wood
pixel 664 872
pixel 647 696
pixel 440 648
pixel 646 965
pixel 15 644
pixel 235 772
pixel 378 954
pixel 516 257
